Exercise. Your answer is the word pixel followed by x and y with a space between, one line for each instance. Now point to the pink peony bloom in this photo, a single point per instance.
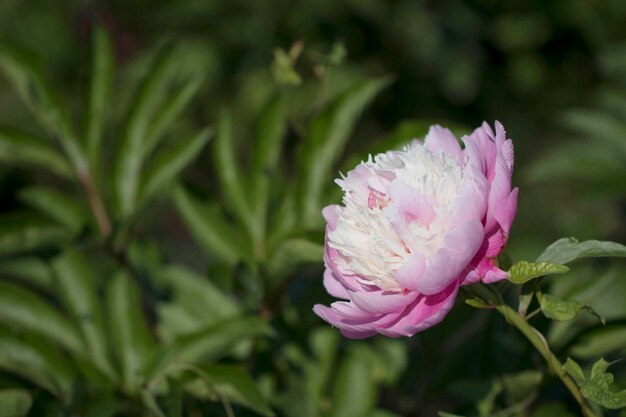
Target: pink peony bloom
pixel 414 226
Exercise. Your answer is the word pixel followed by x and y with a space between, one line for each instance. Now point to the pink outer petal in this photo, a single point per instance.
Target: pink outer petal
pixel 459 247
pixel 423 312
pixel 506 210
pixel 442 139
pixel 411 272
pixel 471 200
pixel 331 215
pixel 378 302
pixel 333 286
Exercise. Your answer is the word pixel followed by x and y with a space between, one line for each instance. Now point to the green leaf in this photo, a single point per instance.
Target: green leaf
pixel 523 271
pixel 267 149
pixel 170 162
pixel 209 343
pixel 521 385
pixel 293 252
pixel 21 232
pixel 208 226
pixel 76 281
pixel 56 206
pixel 231 382
pixel 30 269
pixel 130 155
pixel 324 145
pixel 355 390
pixel 598 388
pixel 26 310
pixel 567 250
pixel 171 111
pixel 195 303
pixel 21 148
pixel 600 341
pixel 552 410
pixel 562 310
pixel 102 72
pixel 228 172
pixel 15 402
pixel 27 79
pixel 130 335
pixel 443 414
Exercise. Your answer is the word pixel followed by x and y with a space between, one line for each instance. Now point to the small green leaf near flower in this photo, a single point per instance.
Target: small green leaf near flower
pixel 523 271
pixel 597 388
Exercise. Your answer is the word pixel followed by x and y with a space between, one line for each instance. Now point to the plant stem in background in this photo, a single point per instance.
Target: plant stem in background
pixel 538 341
pixel 104 225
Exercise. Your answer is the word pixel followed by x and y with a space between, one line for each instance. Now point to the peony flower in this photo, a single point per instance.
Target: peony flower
pixel 415 225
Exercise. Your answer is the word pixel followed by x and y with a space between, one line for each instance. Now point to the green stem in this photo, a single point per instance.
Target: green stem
pixel 536 338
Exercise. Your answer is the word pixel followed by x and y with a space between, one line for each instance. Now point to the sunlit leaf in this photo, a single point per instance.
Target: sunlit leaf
pixel 599 387
pixel 568 249
pixel 524 271
pixel 208 226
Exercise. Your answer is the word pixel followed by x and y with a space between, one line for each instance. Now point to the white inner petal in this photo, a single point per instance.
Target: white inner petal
pixel 370 246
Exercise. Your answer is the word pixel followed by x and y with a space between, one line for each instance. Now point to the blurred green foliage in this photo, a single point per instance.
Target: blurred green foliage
pixel 163 167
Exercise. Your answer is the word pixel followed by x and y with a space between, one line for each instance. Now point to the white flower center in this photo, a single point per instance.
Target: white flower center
pixel 370 246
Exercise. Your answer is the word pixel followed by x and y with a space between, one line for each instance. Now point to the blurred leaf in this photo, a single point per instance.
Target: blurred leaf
pixel 102 72
pixel 26 77
pixel 231 382
pixel 598 126
pixel 195 303
pixel 76 281
pixel 170 162
pixel 21 148
pixel 293 252
pixel 22 232
pixel 209 227
pixel 442 414
pixel 31 269
pixel 486 405
pixel 130 335
pixel 600 342
pixel 15 402
pixel 209 343
pixel 228 171
pixel 385 413
pixel 267 150
pixel 355 391
pixel 567 250
pixel 130 154
pixel 283 69
pixel 170 111
pixel 562 310
pixel 323 343
pixel 524 271
pixel 597 388
pixel 520 385
pixel 23 309
pixel 56 206
pixel 324 145
pixel 552 410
